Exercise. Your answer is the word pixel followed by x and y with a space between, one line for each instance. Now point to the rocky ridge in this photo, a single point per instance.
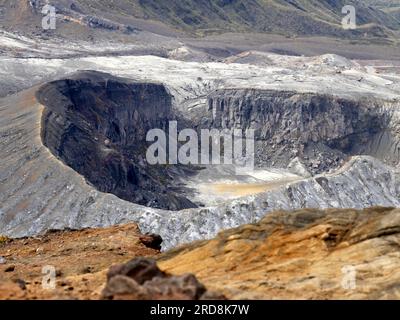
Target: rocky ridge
pixel 305 254
pixel 208 17
pixel 319 130
pixel 97 125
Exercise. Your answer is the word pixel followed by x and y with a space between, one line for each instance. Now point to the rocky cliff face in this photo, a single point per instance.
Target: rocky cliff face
pixel 320 130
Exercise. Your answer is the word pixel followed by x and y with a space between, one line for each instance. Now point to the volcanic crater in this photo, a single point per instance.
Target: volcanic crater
pixel 97 123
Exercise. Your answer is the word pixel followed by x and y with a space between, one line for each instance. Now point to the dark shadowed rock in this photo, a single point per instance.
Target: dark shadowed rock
pixel 152 241
pixel 318 130
pixel 21 283
pixel 9 269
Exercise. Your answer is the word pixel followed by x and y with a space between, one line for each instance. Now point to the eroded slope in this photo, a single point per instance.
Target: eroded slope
pixel 80 259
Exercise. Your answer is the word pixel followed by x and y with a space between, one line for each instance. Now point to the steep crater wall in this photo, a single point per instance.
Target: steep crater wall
pixel 320 130
pixel 97 125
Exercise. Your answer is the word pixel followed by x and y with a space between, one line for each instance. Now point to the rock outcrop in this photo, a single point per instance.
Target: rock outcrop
pixel 321 130
pixel 152 241
pixel 141 279
pixel 78 260
pixel 97 125
pixel 306 254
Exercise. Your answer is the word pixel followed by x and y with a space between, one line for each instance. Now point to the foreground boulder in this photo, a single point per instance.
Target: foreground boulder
pixel 141 279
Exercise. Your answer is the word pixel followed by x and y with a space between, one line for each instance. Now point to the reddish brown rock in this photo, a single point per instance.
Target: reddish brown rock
pixel 307 254
pixel 140 270
pixel 152 241
pixel 184 287
pixel 11 291
pixel 81 260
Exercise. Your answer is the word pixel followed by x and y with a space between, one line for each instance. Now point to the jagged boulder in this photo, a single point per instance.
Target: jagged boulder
pixel 307 254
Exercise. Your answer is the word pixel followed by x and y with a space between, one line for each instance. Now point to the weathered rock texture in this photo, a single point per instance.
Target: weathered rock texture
pixel 38 192
pixel 97 125
pixel 320 130
pixel 306 254
pixel 141 279
pixel 80 258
